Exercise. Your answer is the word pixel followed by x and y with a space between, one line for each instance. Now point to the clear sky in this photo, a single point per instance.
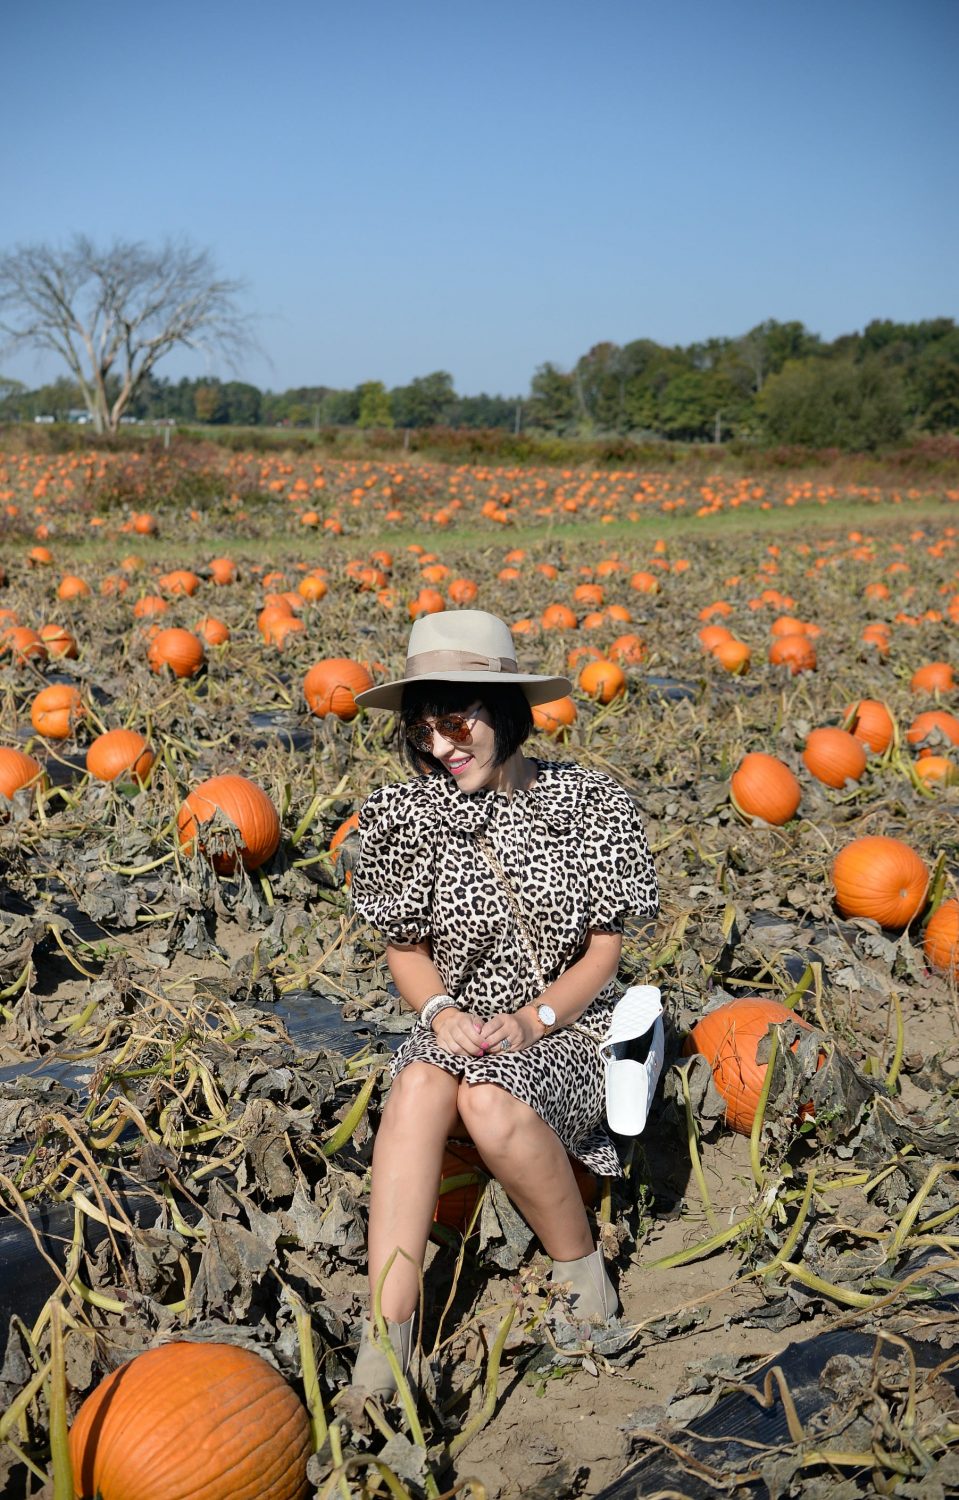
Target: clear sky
pixel 481 188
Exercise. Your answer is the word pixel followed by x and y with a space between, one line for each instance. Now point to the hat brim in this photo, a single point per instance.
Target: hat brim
pixel 536 689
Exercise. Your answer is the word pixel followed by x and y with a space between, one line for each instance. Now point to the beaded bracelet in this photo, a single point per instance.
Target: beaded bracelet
pixel 432 1008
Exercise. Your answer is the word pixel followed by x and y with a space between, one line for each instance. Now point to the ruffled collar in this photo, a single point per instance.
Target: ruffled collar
pixel 554 799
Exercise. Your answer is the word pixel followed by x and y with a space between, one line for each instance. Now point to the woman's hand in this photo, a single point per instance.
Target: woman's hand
pixel 459 1032
pixel 520 1029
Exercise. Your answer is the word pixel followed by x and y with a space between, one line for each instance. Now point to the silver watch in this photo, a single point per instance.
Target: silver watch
pixel 546 1014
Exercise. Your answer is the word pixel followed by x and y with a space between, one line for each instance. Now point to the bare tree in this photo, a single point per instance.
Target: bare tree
pixel 113 314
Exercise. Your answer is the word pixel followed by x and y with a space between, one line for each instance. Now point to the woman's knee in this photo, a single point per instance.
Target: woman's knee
pixel 421 1093
pixel 491 1115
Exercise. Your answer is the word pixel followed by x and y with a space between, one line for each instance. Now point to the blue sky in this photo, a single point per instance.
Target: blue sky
pixel 482 188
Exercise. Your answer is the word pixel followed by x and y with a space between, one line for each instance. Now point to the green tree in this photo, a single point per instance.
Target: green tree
pixel 374 405
pixel 552 400
pixel 208 403
pixel 425 402
pixel 834 404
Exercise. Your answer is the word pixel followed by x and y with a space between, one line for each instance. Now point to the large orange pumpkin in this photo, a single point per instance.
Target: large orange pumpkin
pixel 729 1039
pixel 16 771
pixel 55 711
pixel 246 806
pixel 209 1420
pixel 763 787
pixel 331 685
pixel 180 650
pixel 834 756
pixel 870 721
pixel 881 878
pixel 119 752
pixel 941 939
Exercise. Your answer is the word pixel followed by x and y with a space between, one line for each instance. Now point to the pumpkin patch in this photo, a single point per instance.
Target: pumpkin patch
pixel 182 767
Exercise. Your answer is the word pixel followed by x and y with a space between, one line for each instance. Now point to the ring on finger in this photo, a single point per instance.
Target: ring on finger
pixel 503 1043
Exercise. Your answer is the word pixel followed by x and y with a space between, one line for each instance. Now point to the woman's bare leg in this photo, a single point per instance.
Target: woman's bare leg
pixel 419 1114
pixel 529 1159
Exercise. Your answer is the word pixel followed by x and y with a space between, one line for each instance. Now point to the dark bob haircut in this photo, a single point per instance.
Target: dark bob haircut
pixel 507 706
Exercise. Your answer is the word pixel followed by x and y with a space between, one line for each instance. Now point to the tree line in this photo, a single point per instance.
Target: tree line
pixel 776 384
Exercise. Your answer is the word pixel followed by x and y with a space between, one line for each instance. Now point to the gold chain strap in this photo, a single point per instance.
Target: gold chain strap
pixel 486 849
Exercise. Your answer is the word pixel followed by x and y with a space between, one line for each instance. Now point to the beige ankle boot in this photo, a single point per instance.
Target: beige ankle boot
pixel 592 1296
pixel 372 1371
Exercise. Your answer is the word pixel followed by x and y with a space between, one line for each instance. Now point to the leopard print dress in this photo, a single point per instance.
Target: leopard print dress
pixel 575 854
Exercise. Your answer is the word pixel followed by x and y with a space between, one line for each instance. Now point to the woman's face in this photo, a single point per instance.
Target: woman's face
pixel 472 763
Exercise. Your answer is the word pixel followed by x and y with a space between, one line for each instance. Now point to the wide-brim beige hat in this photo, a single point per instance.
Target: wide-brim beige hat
pixel 463 645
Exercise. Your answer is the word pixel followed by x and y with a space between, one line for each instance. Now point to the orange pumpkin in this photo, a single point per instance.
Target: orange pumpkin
pixel 17 770
pixel 934 677
pixel 881 878
pixel 463 591
pixel 733 655
pixel 223 570
pixel 348 826
pixel 763 787
pixel 644 583
pixel 554 717
pixel 464 1175
pixel 937 770
pixel 558 617
pixel 711 636
pixel 180 650
pixel 56 710
pixel 180 581
pixel 312 588
pixel 72 587
pixel 602 680
pixel 729 1039
pixel 59 642
pixel 925 724
pixel 23 644
pixel 331 685
pixel 206 1419
pixel 628 650
pixel 212 631
pixel 427 602
pixel 834 756
pixel 246 806
pixel 796 652
pixel 119 752
pixel 150 604
pixel 941 939
pixel 871 722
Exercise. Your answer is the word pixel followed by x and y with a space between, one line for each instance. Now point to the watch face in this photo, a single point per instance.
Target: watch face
pixel 546 1014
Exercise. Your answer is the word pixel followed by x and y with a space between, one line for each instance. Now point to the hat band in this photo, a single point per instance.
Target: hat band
pixel 426 663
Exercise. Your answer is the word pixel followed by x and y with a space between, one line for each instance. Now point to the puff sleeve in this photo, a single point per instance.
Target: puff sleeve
pixel 620 871
pixel 392 885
